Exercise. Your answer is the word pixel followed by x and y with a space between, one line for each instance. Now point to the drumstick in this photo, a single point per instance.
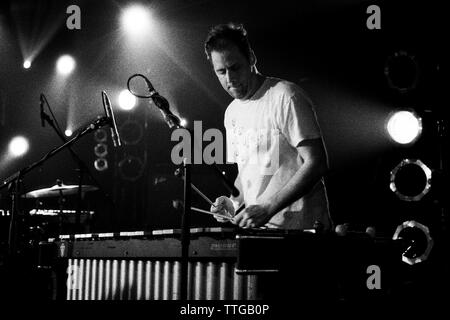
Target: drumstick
pixel 211 213
pixel 202 195
pixel 241 207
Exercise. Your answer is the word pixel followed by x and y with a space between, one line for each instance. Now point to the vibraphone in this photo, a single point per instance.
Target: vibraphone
pixel 223 264
pixel 146 266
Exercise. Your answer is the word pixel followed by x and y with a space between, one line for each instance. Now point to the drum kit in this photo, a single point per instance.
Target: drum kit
pixel 65 216
pixel 59 190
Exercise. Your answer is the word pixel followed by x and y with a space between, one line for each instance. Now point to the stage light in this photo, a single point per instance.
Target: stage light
pixel 404 127
pixel 131 168
pixel 18 146
pixel 100 135
pixel 27 64
pixel 65 64
pixel 101 150
pixel 411 180
pixel 416 241
pixel 402 71
pixel 131 132
pixel 68 133
pixel 101 164
pixel 126 100
pixel 136 20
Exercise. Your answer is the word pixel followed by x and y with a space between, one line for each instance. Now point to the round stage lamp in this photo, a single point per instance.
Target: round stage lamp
pixel 131 168
pixel 411 180
pixel 404 127
pixel 101 164
pixel 126 100
pixel 131 132
pixel 101 150
pixel 18 146
pixel 100 135
pixel 416 242
pixel 136 20
pixel 65 64
pixel 402 71
pixel 27 64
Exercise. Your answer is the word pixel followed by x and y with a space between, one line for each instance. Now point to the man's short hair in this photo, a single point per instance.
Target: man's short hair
pixel 221 36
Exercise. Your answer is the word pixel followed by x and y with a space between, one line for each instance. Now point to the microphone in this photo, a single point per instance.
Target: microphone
pixel 163 106
pixel 41 104
pixel 173 121
pixel 112 121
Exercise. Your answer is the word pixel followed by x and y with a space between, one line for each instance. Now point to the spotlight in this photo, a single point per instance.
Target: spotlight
pixel 136 20
pixel 126 100
pixel 131 132
pixel 411 180
pixel 101 150
pixel 101 164
pixel 404 127
pixel 416 241
pixel 65 64
pixel 68 133
pixel 100 135
pixel 131 168
pixel 18 146
pixel 402 71
pixel 27 64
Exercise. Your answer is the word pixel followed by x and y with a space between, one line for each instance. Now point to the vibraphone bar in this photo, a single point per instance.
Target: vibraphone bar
pixel 146 266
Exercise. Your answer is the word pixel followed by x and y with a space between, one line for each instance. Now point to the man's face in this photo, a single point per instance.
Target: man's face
pixel 233 71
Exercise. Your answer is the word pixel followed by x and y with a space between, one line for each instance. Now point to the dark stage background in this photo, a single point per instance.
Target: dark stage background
pixel 324 46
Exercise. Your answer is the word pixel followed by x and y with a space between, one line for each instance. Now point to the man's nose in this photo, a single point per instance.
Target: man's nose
pixel 230 77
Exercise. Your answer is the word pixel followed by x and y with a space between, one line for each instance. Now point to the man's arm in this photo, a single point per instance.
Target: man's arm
pixel 315 164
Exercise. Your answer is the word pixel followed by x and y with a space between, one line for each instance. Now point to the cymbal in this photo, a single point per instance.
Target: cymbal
pixel 58 190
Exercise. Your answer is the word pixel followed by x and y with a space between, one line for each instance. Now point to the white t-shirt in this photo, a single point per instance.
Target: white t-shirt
pixel 262 135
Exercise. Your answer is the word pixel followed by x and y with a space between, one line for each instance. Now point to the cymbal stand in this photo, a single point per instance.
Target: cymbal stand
pixel 82 167
pixel 61 200
pixel 15 189
pixel 14 183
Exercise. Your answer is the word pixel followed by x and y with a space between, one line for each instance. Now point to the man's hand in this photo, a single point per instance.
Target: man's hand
pixel 224 206
pixel 253 216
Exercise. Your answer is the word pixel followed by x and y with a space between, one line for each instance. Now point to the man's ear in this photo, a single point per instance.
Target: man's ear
pixel 252 58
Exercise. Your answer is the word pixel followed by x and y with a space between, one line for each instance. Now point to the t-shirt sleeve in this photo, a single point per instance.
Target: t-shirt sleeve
pixel 297 119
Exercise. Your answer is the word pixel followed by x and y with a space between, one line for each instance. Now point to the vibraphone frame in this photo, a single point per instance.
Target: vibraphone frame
pixel 146 266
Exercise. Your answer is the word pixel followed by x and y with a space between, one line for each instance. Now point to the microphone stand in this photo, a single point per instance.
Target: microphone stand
pixel 174 123
pixel 14 183
pixel 82 168
pixel 185 230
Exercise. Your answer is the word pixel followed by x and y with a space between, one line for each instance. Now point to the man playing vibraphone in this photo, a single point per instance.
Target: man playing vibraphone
pixel 273 136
